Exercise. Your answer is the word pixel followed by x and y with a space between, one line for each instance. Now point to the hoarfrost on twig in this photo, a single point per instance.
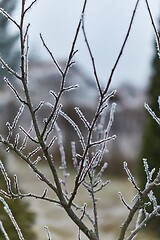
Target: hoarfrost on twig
pixel 4 231
pixel 61 147
pixel 12 126
pixel 48 232
pixel 149 173
pixel 152 113
pixel 9 213
pixel 7 180
pixel 8 16
pixel 131 177
pixel 154 28
pixel 75 126
pixel 82 117
pixel 13 89
pixel 123 201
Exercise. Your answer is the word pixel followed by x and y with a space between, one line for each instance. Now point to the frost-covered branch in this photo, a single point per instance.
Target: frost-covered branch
pixel 154 27
pixel 88 160
pixel 140 204
pixel 10 215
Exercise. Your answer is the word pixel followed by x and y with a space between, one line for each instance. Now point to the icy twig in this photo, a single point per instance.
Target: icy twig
pixel 82 117
pixel 149 173
pixel 143 223
pixel 27 134
pixel 50 122
pixel 39 106
pixel 123 201
pixel 4 231
pixel 140 203
pixel 9 17
pixel 131 177
pixel 75 126
pixel 61 147
pixel 14 123
pixel 21 195
pixel 111 119
pixel 48 233
pixel 25 140
pixel 33 152
pixel 9 69
pixel 7 181
pixel 10 215
pixel 102 141
pixel 154 28
pixel 14 91
pixel 152 113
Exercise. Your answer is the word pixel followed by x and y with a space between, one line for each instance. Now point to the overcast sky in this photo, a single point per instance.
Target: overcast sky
pixel 106 23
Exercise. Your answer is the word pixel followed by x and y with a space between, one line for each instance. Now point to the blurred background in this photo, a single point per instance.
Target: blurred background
pixel 136 78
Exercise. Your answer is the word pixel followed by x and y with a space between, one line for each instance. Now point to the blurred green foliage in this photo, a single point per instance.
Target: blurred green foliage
pixel 151 139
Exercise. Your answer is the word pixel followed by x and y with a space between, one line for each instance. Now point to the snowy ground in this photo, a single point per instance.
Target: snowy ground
pixel 111 211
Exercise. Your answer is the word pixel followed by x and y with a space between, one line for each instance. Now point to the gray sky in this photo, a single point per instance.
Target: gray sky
pixel 106 23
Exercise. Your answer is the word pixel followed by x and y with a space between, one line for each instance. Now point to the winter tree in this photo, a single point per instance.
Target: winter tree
pixel 89 161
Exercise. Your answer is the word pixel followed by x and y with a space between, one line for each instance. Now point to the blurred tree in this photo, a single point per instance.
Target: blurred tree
pixel 151 139
pixel 7 41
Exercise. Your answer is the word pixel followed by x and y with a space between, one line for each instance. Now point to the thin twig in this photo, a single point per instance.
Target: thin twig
pixel 2 11
pixel 122 48
pixel 9 69
pixel 91 56
pixel 154 26
pixel 29 7
pixel 51 54
pixel 9 213
pixel 72 51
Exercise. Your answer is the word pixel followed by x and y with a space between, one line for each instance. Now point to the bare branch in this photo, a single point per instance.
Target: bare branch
pixel 152 113
pixel 48 233
pixel 122 49
pixel 9 69
pixel 72 51
pixel 92 58
pixel 82 117
pixel 29 7
pixel 2 11
pixel 28 135
pixel 14 90
pixel 9 213
pixel 154 27
pixel 4 231
pixel 35 169
pixel 51 54
pixel 74 125
pixel 123 201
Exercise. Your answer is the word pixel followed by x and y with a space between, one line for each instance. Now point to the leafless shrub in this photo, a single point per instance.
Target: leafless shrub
pixel 88 162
